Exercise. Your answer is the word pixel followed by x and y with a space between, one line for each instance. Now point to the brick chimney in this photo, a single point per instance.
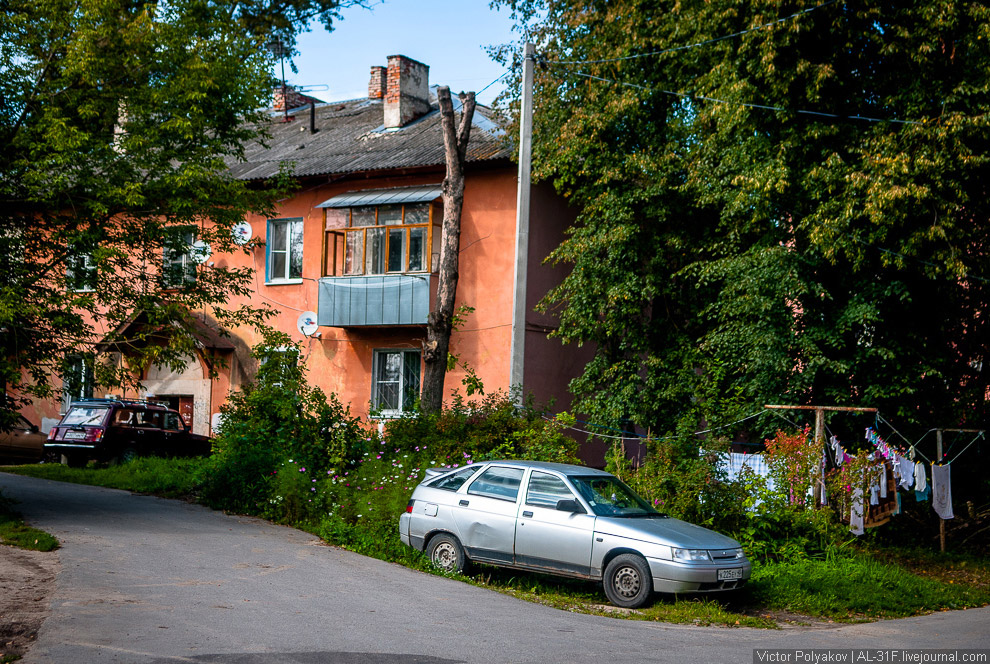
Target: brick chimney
pixel 407 95
pixel 294 98
pixel 377 83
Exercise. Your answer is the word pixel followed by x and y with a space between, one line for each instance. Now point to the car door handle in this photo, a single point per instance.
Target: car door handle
pixel 527 514
pixel 463 503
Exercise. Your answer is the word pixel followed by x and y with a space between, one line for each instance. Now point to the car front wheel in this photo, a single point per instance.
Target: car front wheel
pixel 628 581
pixel 446 553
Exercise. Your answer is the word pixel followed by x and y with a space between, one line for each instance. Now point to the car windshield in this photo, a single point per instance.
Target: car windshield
pixel 85 415
pixel 608 496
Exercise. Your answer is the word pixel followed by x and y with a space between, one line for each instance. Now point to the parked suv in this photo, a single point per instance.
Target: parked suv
pixel 120 430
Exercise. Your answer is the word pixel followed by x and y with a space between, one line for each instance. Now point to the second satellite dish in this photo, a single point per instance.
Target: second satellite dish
pixel 242 233
pixel 306 323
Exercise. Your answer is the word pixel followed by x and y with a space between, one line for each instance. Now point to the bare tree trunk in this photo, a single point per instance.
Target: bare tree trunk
pixel 440 319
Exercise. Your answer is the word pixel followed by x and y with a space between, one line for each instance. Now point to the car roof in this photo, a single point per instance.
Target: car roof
pixel 562 468
pixel 121 403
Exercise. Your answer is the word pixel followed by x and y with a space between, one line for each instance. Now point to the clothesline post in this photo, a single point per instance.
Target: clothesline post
pixel 941 521
pixel 938 460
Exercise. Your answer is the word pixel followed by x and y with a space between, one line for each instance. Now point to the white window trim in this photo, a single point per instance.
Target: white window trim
pixel 402 411
pixel 271 279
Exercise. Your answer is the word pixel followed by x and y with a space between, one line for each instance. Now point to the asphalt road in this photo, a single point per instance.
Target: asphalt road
pixel 147 580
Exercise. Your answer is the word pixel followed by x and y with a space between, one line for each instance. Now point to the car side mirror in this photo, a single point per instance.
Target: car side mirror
pixel 570 505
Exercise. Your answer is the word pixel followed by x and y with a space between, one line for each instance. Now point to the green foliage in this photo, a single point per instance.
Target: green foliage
pixel 856 587
pixel 14 532
pixel 277 420
pixel 823 257
pixel 171 478
pixel 486 428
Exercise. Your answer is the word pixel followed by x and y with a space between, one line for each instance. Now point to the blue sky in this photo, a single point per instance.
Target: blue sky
pixel 447 35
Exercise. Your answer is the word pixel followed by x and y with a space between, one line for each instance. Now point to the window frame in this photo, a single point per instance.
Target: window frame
pixel 288 223
pixel 79 386
pixel 173 278
pixel 81 278
pixel 403 391
pixel 336 240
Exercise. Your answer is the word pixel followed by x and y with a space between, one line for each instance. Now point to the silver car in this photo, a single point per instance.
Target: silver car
pixel 570 521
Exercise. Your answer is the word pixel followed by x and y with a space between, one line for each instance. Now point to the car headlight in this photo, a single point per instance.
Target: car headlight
pixel 691 555
pixel 739 554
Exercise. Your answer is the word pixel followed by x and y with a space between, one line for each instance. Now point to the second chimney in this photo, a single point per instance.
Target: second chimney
pixel 407 94
pixel 376 84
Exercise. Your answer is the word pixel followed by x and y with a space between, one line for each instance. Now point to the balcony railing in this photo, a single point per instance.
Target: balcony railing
pixel 376 300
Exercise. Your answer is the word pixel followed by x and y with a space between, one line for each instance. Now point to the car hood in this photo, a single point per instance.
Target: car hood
pixel 666 531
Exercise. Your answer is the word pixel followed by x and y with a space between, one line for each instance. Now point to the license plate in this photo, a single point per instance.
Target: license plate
pixel 75 435
pixel 730 574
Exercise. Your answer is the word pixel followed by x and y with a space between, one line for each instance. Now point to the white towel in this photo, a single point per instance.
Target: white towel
pixel 920 479
pixel 942 492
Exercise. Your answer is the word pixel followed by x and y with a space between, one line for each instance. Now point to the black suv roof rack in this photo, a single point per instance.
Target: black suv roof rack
pixel 109 400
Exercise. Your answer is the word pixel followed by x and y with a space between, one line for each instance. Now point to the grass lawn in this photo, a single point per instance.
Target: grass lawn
pixel 859 585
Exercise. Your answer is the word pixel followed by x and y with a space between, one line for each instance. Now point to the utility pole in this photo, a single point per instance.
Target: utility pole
pixel 820 430
pixel 518 347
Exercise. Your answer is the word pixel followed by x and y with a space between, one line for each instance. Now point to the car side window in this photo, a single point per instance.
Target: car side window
pixel 544 490
pixel 454 481
pixel 172 422
pixel 502 483
pixel 124 418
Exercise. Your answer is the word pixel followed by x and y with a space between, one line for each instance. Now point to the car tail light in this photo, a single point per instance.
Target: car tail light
pixel 409 506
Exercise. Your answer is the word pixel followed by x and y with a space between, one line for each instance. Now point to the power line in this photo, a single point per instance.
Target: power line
pixel 764 107
pixel 696 44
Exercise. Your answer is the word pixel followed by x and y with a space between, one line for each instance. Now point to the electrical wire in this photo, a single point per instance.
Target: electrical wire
pixel 638 437
pixel 695 45
pixel 764 107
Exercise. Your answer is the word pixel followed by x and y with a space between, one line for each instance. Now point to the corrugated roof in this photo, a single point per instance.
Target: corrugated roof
pixel 384 196
pixel 350 138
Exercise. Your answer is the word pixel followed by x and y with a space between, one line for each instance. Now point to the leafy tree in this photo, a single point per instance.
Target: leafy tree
pixel 118 120
pixel 794 192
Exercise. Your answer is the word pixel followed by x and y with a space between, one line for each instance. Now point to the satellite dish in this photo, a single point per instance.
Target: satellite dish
pixel 242 233
pixel 200 251
pixel 306 323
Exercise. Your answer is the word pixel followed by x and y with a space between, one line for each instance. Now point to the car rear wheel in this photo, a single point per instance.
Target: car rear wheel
pixel 446 553
pixel 628 581
pixel 127 455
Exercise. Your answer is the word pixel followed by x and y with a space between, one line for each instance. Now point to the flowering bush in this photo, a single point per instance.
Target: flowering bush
pixel 276 420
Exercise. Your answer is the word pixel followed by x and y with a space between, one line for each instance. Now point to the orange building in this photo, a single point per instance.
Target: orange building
pixel 349 263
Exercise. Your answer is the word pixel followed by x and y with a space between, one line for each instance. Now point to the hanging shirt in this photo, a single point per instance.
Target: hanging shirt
pixel 923 496
pixel 920 480
pixel 942 492
pixel 883 481
pixel 907 472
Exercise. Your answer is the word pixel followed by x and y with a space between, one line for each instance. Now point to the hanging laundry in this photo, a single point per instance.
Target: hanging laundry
pixel 907 471
pixel 856 512
pixel 942 492
pixel 874 495
pixel 920 479
pixel 883 481
pixel 923 496
pixel 897 497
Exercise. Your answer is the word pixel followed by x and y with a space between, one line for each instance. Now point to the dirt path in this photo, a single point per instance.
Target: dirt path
pixel 27 581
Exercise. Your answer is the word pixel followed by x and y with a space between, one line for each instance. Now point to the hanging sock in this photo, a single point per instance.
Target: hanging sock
pixel 942 492
pixel 920 479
